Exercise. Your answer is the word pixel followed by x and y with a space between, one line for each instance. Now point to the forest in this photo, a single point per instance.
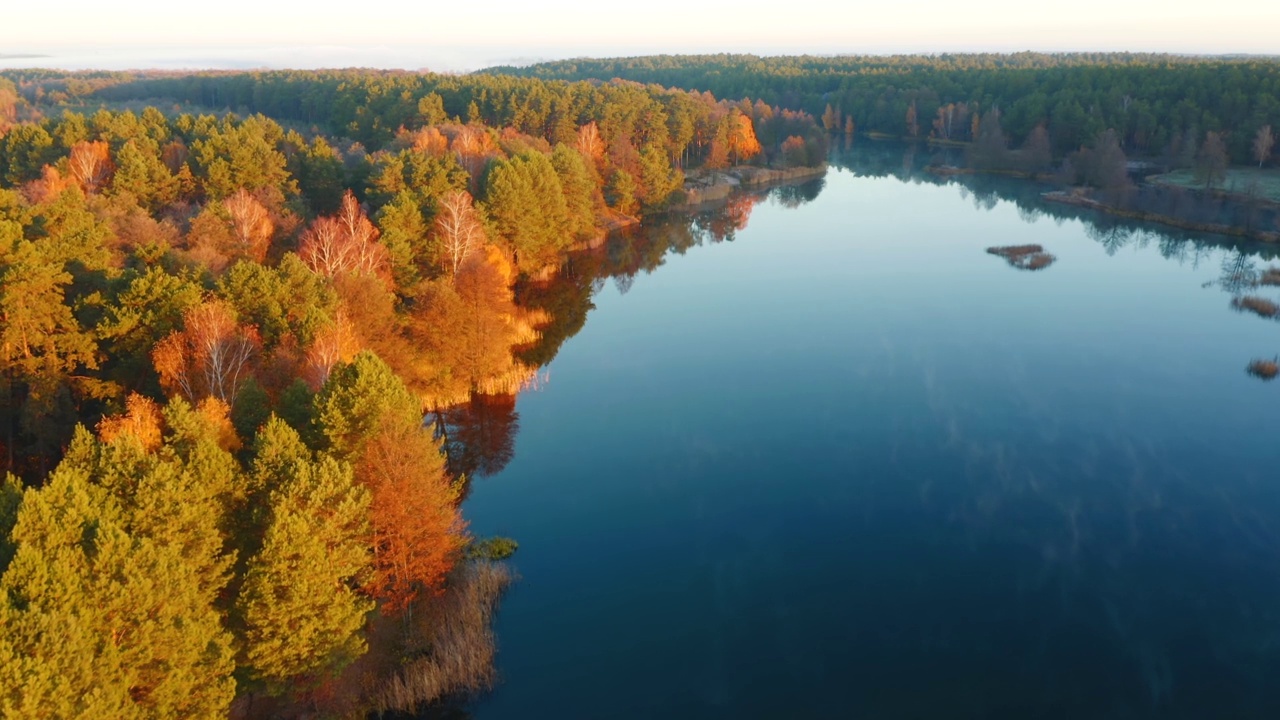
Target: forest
pixel 258 333
pixel 261 330
pixel 1158 105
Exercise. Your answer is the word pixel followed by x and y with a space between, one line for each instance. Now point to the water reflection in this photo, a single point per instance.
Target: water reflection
pixel 567 297
pixel 1016 511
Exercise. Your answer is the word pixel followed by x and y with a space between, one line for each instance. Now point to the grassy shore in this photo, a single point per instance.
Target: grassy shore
pixel 1262 183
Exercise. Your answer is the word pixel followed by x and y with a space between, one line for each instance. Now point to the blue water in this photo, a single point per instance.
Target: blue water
pixel 850 465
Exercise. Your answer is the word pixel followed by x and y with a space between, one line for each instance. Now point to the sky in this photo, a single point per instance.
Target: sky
pixel 462 36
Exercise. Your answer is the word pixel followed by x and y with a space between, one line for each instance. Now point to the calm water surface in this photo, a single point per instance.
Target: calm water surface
pixel 850 465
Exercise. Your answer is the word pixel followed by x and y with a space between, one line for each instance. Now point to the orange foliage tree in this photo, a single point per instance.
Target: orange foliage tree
pixel 418 531
pixel 251 225
pixel 368 417
pixel 334 343
pixel 141 419
pixel 48 186
pixel 740 137
pixel 344 243
pixel 212 356
pixel 90 165
pixel 589 143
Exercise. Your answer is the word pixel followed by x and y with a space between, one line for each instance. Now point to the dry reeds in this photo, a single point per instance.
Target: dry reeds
pixel 1024 257
pixel 1270 276
pixel 1259 306
pixel 455 644
pixel 1264 369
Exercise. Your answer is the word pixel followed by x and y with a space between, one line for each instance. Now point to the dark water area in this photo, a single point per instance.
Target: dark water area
pixel 817 454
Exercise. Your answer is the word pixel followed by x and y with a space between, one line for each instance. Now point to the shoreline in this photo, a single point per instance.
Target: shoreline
pixel 1065 197
pixel 719 185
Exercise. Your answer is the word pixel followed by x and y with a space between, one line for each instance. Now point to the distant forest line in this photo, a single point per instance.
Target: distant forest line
pixel 1156 103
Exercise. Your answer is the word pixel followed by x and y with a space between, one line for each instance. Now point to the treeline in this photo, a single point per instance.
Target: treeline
pixel 219 335
pixel 372 107
pixel 1157 104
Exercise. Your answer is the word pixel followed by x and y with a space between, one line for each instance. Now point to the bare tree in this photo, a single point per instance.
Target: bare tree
pixel 347 242
pixel 251 225
pixel 458 228
pixel 1211 161
pixel 211 356
pixel 1262 144
pixel 90 165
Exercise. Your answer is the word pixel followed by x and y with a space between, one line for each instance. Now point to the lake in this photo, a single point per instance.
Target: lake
pixel 826 457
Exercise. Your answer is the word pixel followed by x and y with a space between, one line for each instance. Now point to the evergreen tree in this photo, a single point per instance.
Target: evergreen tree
pixel 581 194
pixel 301 612
pixel 103 623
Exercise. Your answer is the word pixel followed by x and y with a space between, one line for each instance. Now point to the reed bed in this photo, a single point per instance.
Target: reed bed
pixel 1024 257
pixel 1259 306
pixel 1264 369
pixel 453 654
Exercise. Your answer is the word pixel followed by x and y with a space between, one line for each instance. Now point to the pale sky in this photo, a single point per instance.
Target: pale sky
pixel 470 34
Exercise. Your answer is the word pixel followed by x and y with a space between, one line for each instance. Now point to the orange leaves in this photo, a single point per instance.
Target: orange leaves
pixel 741 137
pixel 344 243
pixel 212 356
pixel 141 419
pixel 418 532
pixel 90 165
pixel 50 185
pixel 589 142
pixel 793 151
pixel 251 225
pixel 335 343
pixel 430 141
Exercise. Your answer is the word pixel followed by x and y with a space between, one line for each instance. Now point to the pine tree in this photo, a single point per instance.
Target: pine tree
pixel 301 612
pixel 99 622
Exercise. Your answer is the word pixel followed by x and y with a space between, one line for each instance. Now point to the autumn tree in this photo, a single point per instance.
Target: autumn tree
pixel 913 124
pixel 336 342
pixel 418 532
pixel 251 225
pixel 366 414
pixel 1263 141
pixel 90 165
pixel 1211 160
pixel 739 137
pixel 467 328
pixel 590 144
pixel 793 151
pixel 344 243
pixel 141 420
pixel 830 119
pixel 458 229
pixel 212 355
